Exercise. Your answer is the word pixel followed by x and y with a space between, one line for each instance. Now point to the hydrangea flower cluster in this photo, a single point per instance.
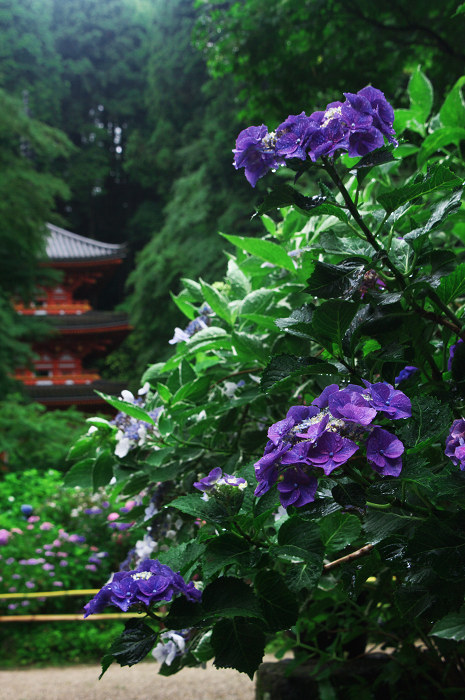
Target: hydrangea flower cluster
pixel 215 479
pixel 150 583
pixel 455 443
pixel 196 325
pixel 322 436
pixel 357 126
pixel 133 432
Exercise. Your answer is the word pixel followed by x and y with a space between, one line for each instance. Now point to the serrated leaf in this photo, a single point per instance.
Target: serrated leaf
pixel 299 323
pixel 238 644
pixel 332 319
pixel 279 605
pixel 380 525
pixel 230 597
pixel 451 626
pixel 282 367
pixel 440 211
pixel 131 646
pixel 338 530
pixel 438 177
pixel 285 195
pixel 349 495
pixel 336 281
pixel 265 250
pixel 452 286
pixel 222 551
pixel 249 346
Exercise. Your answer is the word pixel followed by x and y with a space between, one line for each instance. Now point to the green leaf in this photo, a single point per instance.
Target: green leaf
pixel 332 319
pixel 80 474
pixel 278 603
pixel 129 408
pixel 250 347
pixel 240 283
pixel 102 472
pixel 163 392
pixel 380 525
pixel 265 250
pixel 338 530
pixel 301 533
pixel 439 139
pixel 222 551
pixel 452 112
pixel 453 285
pixel 182 556
pixel 132 645
pixel 299 323
pixel 440 211
pixel 238 644
pixel 192 504
pixel 421 95
pixel 217 301
pixel 285 195
pixel 282 367
pixel 349 495
pixel 212 338
pixel 452 626
pixel 230 597
pixel 438 177
pixel 258 301
pixel 335 281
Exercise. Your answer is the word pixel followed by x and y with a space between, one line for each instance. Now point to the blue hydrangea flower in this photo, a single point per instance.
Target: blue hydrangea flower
pixel 150 583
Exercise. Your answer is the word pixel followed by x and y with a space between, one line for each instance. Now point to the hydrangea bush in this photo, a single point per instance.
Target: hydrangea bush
pixel 310 438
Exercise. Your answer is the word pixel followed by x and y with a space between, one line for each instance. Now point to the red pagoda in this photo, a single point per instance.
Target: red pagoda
pixel 62 373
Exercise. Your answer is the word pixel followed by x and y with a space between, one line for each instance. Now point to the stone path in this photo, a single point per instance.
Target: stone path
pixel 140 682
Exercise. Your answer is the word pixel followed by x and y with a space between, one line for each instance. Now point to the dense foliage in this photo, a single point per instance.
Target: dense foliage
pixel 298 432
pixel 56 539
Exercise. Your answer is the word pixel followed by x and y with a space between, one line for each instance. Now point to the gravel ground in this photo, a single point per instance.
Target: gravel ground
pixel 140 682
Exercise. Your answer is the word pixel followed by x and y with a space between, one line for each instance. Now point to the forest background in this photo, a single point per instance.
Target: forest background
pixel 117 120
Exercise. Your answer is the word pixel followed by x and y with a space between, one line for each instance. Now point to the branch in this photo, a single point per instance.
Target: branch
pixel 349 557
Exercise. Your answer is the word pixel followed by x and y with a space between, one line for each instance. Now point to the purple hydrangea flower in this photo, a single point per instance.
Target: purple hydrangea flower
pixel 331 451
pixel 150 583
pixel 297 488
pixel 392 402
pixel 256 152
pixel 349 405
pixel 293 134
pixel 405 374
pixel 26 510
pixel 322 400
pixel 358 126
pixel 384 451
pixel 216 478
pixel 452 350
pixel 455 443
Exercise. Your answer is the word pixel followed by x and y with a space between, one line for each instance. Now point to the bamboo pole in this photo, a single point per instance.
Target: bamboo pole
pixel 65 617
pixel 50 594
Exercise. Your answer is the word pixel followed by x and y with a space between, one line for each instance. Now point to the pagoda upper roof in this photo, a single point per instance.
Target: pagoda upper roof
pixel 64 246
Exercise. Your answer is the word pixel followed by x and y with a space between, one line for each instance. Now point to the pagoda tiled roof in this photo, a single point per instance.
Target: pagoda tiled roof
pixel 64 246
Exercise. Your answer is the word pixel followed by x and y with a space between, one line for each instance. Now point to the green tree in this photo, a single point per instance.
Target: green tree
pixel 289 55
pixel 28 190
